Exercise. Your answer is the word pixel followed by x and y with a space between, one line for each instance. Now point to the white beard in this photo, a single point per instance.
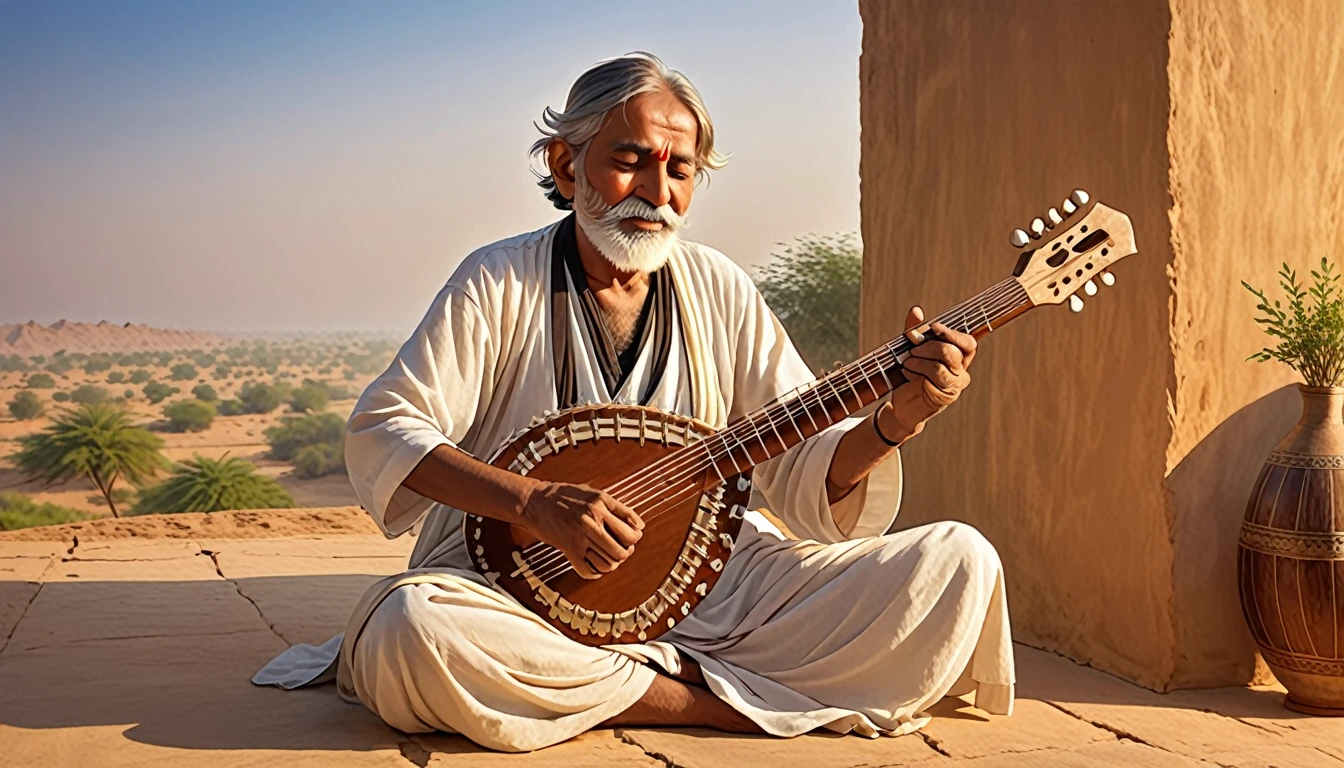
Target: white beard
pixel 638 251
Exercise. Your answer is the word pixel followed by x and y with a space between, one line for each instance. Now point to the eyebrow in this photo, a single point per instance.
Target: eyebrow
pixel 645 151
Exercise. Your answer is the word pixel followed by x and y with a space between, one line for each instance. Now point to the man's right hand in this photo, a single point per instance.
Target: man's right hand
pixel 595 532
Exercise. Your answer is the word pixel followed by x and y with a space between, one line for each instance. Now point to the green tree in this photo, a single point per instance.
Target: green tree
pixel 294 433
pixel 183 372
pixel 116 377
pixel 222 371
pixel 97 442
pixel 207 485
pixel 262 398
pixel 157 391
pixel 61 397
pixel 18 511
pixel 813 288
pixel 231 408
pixel 88 394
pixel 189 415
pixel 318 460
pixel 308 399
pixel 41 381
pixel 12 363
pixel 96 366
pixel 140 376
pixel 204 392
pixel 26 405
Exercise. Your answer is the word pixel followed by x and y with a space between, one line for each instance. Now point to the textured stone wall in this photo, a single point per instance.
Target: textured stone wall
pixel 1107 455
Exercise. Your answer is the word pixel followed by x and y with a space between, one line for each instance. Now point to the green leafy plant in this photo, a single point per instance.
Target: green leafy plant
pixel 204 392
pixel 209 485
pixel 140 376
pixel 41 381
pixel 97 442
pixel 257 397
pixel 128 394
pixel 183 372
pixel 1310 330
pixel 189 415
pixel 308 399
pixel 813 288
pixel 61 397
pixel 26 405
pixel 88 394
pixel 157 391
pixel 18 511
pixel 116 377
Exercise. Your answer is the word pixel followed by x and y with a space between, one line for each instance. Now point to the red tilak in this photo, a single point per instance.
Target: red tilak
pixel 665 153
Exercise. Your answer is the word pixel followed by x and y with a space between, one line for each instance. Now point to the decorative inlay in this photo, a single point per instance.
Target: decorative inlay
pixel 1305 460
pixel 1301 545
pixel 1301 663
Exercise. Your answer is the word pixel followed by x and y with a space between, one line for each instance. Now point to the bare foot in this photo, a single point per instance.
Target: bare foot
pixel 671 702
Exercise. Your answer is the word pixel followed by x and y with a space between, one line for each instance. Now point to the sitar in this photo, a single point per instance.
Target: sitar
pixel 691 483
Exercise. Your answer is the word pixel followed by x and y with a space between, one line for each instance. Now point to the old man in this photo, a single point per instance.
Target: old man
pixel 846 627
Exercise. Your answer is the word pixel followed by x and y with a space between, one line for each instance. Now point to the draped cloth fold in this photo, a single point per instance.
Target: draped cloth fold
pixel 857 633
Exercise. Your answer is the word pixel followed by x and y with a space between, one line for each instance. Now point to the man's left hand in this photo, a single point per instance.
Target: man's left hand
pixel 935 374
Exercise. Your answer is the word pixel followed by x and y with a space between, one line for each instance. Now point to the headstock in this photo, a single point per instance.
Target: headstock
pixel 1070 247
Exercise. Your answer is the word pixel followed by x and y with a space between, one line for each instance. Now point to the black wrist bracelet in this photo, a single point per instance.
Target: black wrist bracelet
pixel 878 429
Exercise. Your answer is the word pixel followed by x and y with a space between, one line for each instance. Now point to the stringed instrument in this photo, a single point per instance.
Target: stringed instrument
pixel 690 483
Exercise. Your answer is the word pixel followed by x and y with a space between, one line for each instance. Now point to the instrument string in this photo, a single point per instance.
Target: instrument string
pixel 651 482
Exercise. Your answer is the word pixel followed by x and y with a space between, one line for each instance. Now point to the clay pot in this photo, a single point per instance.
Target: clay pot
pixel 1290 563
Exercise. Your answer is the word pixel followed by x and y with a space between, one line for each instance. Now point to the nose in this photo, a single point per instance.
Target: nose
pixel 654 186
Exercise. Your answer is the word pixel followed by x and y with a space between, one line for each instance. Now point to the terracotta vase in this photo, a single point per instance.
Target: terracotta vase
pixel 1290 563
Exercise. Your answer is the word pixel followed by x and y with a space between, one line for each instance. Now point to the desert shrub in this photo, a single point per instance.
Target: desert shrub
pixel 12 363
pixel 59 365
pixel 318 460
pixel 97 366
pixel 41 381
pixel 230 408
pixel 61 397
pixel 37 359
pixel 157 391
pixel 26 405
pixel 222 371
pixel 207 485
pixel 139 376
pixel 262 398
pixel 189 416
pixel 204 392
pixel 126 361
pixel 203 359
pixel 88 394
pixel 116 377
pixel 308 399
pixel 183 372
pixel 334 391
pixel 128 394
pixel 164 358
pixel 294 434
pixel 18 511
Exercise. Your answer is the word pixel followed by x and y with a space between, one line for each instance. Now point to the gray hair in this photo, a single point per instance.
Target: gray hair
pixel 610 84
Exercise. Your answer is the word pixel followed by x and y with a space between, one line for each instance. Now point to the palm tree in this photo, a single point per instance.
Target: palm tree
pixel 97 441
pixel 207 485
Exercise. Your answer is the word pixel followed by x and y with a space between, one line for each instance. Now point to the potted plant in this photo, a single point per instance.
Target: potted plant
pixel 1290 563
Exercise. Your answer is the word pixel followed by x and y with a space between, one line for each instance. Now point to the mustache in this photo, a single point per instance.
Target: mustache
pixel 635 207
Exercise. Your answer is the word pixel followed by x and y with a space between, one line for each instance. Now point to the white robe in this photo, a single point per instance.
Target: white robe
pixel 857 633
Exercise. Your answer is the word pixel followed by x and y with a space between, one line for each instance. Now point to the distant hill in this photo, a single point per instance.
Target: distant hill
pixel 30 338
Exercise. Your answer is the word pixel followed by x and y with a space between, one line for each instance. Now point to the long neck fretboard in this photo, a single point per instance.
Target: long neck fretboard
pixel 802 413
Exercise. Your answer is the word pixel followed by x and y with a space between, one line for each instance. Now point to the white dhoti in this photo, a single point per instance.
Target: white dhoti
pixel 796 636
pixel 854 631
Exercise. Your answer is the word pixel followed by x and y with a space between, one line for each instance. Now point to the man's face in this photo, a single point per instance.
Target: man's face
pixel 647 150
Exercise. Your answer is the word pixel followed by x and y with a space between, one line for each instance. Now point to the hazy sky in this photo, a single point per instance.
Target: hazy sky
pixel 308 165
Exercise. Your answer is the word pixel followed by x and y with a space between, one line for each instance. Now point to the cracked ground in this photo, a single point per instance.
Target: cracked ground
pixel 129 651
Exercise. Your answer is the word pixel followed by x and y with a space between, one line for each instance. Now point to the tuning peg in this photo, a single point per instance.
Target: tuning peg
pixel 1075 303
pixel 1069 207
pixel 1108 278
pixel 1037 227
pixel 1079 198
pixel 1090 288
pixel 1019 238
pixel 1053 216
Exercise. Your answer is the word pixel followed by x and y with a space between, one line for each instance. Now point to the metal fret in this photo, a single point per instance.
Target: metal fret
pixel 837 397
pixel 866 380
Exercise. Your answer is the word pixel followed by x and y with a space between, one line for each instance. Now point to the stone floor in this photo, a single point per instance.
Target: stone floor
pixel 131 652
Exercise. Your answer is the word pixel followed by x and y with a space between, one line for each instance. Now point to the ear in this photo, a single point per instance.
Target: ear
pixel 560 158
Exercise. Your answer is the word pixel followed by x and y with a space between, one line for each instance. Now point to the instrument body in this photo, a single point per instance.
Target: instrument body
pixel 691 484
pixel 679 558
